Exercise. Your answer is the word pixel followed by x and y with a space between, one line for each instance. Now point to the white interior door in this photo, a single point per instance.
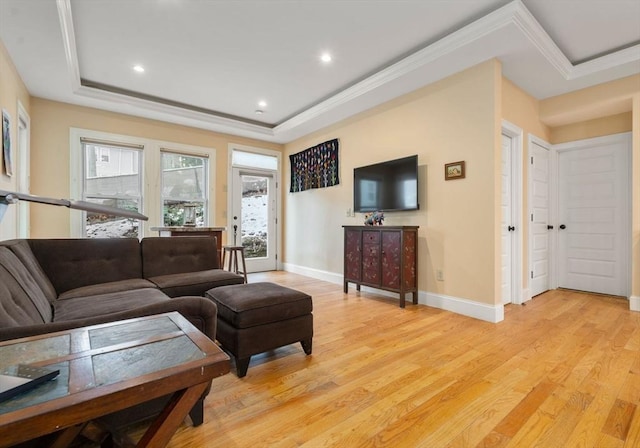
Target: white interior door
pixel 539 232
pixel 507 227
pixel 594 216
pixel 254 214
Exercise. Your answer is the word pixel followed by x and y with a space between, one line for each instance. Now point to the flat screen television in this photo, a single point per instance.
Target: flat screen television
pixel 387 186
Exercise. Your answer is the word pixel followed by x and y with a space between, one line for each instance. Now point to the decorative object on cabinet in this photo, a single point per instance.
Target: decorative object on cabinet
pixel 315 167
pixel 454 170
pixel 374 218
pixel 383 257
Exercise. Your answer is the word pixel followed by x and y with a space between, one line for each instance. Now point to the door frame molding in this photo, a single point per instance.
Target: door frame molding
pixel 623 138
pixel 278 193
pixel 553 207
pixel 516 135
pixel 23 223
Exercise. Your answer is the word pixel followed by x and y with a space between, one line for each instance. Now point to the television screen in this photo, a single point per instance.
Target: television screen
pixel 387 186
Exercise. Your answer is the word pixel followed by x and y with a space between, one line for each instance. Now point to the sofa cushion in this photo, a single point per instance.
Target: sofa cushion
pixel 114 302
pixel 166 255
pixel 74 263
pixel 22 302
pixel 195 283
pixel 105 288
pixel 22 250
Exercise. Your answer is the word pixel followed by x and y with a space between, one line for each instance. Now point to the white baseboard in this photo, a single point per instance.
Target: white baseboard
pixel 327 276
pixel 482 311
pixel 477 310
pixel 634 303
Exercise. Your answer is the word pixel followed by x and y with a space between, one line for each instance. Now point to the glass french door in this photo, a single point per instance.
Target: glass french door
pixel 253 220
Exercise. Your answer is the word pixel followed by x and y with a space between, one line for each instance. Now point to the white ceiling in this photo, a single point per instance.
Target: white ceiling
pixel 209 62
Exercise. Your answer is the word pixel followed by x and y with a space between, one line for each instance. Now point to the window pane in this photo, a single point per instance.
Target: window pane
pixel 254 160
pixel 99 225
pixel 173 213
pixel 112 178
pixel 111 171
pixel 255 213
pixel 184 182
pixel 183 177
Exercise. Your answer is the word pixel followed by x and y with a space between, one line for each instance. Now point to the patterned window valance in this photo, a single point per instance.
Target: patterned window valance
pixel 316 167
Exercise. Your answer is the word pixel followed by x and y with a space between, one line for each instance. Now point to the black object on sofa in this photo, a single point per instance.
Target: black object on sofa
pixel 49 285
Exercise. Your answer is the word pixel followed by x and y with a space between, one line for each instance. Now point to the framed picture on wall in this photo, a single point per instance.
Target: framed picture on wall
pixel 454 170
pixel 6 143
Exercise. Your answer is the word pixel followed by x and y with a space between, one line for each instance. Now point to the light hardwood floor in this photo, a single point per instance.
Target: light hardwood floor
pixel 562 371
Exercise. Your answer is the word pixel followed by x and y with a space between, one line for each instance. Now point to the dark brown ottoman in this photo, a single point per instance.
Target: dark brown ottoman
pixel 256 317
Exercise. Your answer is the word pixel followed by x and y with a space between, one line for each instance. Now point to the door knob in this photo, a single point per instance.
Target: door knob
pixel 549 227
pixel 562 226
pixel 511 228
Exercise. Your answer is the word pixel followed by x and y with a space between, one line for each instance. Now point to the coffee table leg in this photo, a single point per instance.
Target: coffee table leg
pixel 166 424
pixel 67 436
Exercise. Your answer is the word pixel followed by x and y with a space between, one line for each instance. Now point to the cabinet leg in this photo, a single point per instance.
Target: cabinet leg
pixel 415 297
pixel 346 287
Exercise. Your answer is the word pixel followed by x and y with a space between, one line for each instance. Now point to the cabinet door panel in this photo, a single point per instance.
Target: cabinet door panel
pixel 352 255
pixel 391 258
pixel 371 263
pixel 410 260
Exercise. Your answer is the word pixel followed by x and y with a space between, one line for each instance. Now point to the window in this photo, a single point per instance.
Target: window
pixel 111 176
pixel 184 183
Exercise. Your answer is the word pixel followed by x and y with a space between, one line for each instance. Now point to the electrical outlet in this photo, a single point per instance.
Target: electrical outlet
pixel 439 275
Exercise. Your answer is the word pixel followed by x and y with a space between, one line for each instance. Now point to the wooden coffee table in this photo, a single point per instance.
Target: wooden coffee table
pixel 107 368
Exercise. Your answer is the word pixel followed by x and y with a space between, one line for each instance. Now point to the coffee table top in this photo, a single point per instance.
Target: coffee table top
pixel 124 359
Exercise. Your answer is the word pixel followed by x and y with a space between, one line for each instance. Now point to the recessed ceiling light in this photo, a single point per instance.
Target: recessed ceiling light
pixel 262 103
pixel 326 57
pixel 138 68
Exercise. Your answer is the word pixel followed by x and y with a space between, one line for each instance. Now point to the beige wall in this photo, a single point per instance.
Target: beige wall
pixel 451 120
pixel 523 110
pixel 51 122
pixel 12 91
pixel 598 127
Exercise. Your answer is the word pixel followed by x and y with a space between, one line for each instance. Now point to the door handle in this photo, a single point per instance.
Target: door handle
pixel 511 228
pixel 549 227
pixel 562 227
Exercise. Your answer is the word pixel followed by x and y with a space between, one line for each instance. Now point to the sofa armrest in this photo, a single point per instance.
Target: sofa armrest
pixel 201 312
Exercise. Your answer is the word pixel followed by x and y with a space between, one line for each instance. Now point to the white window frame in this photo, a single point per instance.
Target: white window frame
pixel 150 171
pixel 77 159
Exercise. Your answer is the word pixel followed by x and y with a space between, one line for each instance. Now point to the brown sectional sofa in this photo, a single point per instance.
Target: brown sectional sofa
pixel 49 285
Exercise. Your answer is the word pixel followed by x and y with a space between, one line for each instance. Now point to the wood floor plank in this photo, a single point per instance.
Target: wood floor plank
pixel 562 371
pixel 619 419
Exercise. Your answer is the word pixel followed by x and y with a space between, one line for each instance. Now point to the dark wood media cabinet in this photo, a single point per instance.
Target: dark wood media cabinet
pixel 383 257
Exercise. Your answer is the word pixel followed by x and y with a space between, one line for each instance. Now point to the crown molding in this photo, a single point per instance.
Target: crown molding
pixel 210 121
pixel 537 35
pixel 512 14
pixel 607 62
pixel 69 41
